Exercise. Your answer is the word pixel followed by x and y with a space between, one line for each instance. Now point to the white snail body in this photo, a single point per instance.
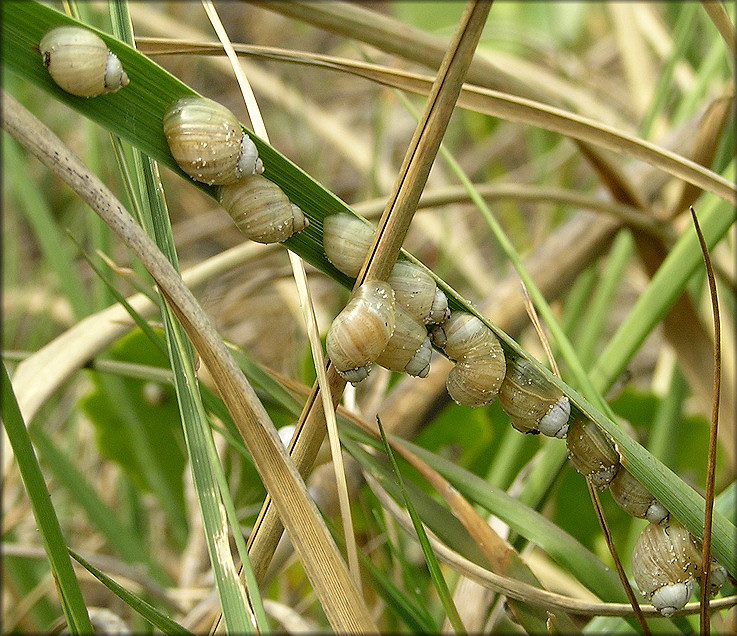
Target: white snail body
pixel 362 330
pixel 636 500
pixel 409 349
pixel 346 240
pixel 208 143
pixel 591 452
pixel 479 371
pixel 261 210
pixel 665 561
pixel 532 402
pixel 417 292
pixel 79 61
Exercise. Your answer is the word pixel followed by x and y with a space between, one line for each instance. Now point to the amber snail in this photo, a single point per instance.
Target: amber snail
pixel 79 62
pixel 208 143
pixel 362 330
pixel 533 403
pixel 591 452
pixel 347 239
pixel 261 210
pixel 636 500
pixel 479 370
pixel 409 349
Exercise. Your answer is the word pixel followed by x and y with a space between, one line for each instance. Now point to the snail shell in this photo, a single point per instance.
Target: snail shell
pixel 636 500
pixel 362 330
pixel 416 291
pixel 479 371
pixel 665 561
pixel 532 402
pixel 409 349
pixel 591 452
pixel 346 240
pixel 208 143
pixel 79 61
pixel 261 210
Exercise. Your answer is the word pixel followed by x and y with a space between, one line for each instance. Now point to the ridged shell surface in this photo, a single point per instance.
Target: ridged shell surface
pixel 463 332
pixel 415 290
pixel 407 346
pixel 208 143
pixel 261 210
pixel 636 500
pixel 665 561
pixel 362 330
pixel 79 61
pixel 346 240
pixel 591 452
pixel 531 400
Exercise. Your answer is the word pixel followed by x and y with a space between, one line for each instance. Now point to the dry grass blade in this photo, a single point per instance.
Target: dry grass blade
pixel 305 443
pixel 720 18
pixel 713 430
pixel 341 601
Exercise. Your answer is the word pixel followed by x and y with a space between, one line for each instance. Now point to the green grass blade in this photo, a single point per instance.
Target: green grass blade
pixel 432 563
pixel 70 595
pixel 148 611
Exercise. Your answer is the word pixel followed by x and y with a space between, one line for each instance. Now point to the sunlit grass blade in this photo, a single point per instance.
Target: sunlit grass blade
pixel 70 595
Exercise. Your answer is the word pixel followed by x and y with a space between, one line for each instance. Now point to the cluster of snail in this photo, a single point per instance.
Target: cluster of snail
pixel 209 144
pixel 80 63
pixel 205 138
pixel 375 327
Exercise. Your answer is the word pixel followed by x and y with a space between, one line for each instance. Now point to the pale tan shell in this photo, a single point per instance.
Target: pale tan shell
pixel 261 210
pixel 665 561
pixel 591 452
pixel 636 500
pixel 362 330
pixel 79 61
pixel 480 366
pixel 409 349
pixel 532 402
pixel 208 143
pixel 415 290
pixel 346 240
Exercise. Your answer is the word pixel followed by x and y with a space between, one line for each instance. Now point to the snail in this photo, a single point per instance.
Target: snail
pixel 480 367
pixel 591 452
pixel 409 349
pixel 532 402
pixel 416 291
pixel 665 561
pixel 636 500
pixel 347 239
pixel 79 62
pixel 362 330
pixel 208 143
pixel 261 210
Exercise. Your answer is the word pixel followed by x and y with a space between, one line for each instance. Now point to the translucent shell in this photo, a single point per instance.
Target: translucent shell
pixel 261 210
pixel 346 240
pixel 362 330
pixel 416 291
pixel 79 61
pixel 532 402
pixel 480 367
pixel 208 143
pixel 636 500
pixel 591 452
pixel 665 561
pixel 409 349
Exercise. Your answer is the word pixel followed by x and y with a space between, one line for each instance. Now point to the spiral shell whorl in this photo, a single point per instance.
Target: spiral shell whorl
pixel 208 143
pixel 362 330
pixel 346 240
pixel 261 210
pixel 408 350
pixel 80 63
pixel 591 452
